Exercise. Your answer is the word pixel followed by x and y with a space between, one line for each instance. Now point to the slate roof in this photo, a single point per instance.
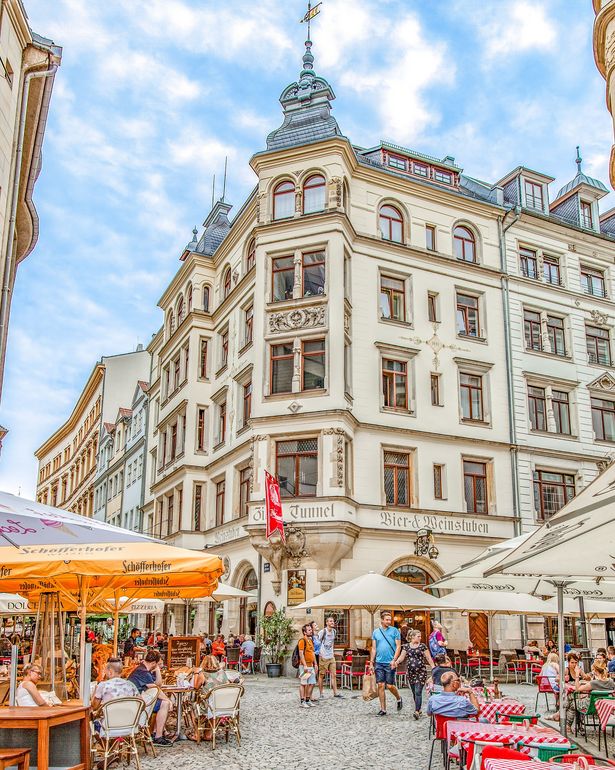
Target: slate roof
pixel 581 179
pixel 217 226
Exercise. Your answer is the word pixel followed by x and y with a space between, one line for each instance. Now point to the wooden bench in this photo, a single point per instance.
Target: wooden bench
pixel 19 757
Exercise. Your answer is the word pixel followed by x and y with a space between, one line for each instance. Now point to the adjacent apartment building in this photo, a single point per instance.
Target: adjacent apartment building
pixel 67 460
pixel 28 64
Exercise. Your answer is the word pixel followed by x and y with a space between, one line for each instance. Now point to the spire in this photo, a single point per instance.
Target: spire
pixel 598 190
pixel 192 245
pixel 579 160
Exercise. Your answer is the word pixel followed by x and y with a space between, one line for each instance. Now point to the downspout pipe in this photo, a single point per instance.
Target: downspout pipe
pixel 503 227
pixel 5 291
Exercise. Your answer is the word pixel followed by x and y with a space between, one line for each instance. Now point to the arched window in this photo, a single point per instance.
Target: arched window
pixel 170 323
pixel 206 293
pixel 226 283
pixel 189 297
pixel 251 258
pixel 464 243
pixel 284 200
pixel 314 191
pixel 391 224
pixel 180 310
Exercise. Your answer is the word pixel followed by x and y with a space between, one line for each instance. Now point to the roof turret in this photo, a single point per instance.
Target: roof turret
pixel 599 190
pixel 217 226
pixel 307 109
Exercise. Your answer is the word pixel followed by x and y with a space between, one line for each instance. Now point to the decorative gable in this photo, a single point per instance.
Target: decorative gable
pixel 605 383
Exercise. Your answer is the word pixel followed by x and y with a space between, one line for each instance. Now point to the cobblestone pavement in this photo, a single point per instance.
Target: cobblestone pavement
pixel 278 735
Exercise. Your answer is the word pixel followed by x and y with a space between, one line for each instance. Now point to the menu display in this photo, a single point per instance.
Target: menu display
pixel 182 650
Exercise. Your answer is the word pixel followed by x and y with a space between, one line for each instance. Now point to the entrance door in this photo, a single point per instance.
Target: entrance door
pixel 479 630
pixel 417 619
pixel 247 607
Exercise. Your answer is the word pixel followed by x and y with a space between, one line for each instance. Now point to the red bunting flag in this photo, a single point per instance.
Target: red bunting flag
pixel 273 505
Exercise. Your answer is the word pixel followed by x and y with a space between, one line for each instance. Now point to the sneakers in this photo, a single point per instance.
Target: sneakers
pixel 162 741
pixel 338 695
pixel 305 704
pixel 417 714
pixel 400 703
pixel 381 713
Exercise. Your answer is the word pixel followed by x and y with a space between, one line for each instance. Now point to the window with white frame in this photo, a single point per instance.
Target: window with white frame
pixel 474 398
pixel 394 290
pixel 550 406
pixel 297 366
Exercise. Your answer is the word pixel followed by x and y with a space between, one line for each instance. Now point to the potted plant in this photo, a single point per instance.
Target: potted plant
pixel 277 633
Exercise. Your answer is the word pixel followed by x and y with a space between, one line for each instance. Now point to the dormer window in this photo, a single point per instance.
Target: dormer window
pixel 420 169
pixel 314 194
pixel 396 162
pixel 533 195
pixel 444 177
pixel 587 219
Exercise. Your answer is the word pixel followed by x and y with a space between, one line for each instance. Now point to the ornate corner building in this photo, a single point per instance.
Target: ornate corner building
pixel 604 54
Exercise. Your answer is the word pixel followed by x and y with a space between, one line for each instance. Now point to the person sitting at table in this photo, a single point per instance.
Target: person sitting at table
pixel 443 664
pixel 550 670
pixel 610 652
pixel 600 680
pixel 247 653
pixel 27 692
pixel 550 646
pixel 218 647
pixel 531 648
pixel 205 645
pixel 574 668
pixel 451 702
pixel 146 675
pixel 113 686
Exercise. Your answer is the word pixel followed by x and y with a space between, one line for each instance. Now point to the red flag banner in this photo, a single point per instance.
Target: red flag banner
pixel 273 505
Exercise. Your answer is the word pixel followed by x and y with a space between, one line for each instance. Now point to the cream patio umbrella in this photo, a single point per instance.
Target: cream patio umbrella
pixel 498 603
pixel 373 591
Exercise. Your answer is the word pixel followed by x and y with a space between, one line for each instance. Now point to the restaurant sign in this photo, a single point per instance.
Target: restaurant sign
pixel 393 521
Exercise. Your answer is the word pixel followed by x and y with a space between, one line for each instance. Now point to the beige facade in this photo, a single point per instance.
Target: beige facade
pixel 67 460
pixel 28 64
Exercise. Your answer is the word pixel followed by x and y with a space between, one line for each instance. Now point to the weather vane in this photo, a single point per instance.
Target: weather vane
pixel 311 12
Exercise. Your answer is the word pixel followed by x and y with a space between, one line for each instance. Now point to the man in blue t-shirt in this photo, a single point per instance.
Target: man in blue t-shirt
pixel 386 646
pixel 145 676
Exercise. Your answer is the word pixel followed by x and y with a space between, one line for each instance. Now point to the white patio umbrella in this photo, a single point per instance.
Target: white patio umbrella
pixel 576 544
pixel 13 604
pixel 498 603
pixel 372 592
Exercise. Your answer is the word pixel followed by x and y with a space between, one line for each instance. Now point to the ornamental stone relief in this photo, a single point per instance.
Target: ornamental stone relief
pixel 297 318
pixel 599 318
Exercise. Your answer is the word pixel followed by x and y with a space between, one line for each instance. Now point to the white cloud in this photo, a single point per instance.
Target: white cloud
pixel 153 78
pixel 511 28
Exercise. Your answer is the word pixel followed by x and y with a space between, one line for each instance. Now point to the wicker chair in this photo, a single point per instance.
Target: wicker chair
pixel 120 728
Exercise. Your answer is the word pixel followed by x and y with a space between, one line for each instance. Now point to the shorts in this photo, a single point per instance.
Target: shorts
pixel 311 680
pixel 157 706
pixel 384 673
pixel 326 664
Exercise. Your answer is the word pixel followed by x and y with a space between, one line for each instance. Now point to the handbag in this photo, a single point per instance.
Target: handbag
pixel 370 688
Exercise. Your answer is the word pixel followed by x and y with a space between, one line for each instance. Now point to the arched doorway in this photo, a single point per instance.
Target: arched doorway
pixel 417 578
pixel 247 606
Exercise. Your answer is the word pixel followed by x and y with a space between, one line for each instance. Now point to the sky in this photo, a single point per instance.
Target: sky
pixel 153 94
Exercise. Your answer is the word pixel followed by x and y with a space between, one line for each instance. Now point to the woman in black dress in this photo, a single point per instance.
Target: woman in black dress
pixel 418 659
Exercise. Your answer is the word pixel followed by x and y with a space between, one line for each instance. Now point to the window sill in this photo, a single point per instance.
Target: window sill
pixel 605 440
pixel 553 434
pixel 479 423
pixel 219 445
pixel 396 410
pixel 291 302
pixel 246 347
pixel 397 322
pixel 243 428
pixel 548 354
pixel 600 366
pixel 472 338
pixel 297 394
pixel 222 369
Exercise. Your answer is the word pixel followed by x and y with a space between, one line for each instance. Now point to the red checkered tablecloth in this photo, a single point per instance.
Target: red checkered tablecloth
pixel 517 734
pixel 605 708
pixel 513 764
pixel 489 708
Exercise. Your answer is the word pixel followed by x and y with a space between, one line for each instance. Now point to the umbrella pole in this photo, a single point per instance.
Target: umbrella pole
pixel 560 644
pixel 490 631
pixel 116 617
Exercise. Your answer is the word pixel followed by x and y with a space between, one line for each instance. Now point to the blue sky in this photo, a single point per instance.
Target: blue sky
pixel 152 94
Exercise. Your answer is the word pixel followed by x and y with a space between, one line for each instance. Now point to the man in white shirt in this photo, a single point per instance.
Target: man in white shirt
pixel 327 657
pixel 113 686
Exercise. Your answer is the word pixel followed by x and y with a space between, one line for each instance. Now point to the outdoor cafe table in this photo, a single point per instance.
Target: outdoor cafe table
pixel 179 693
pixel 460 731
pixel 514 764
pixel 489 708
pixel 58 736
pixel 605 708
pixel 531 667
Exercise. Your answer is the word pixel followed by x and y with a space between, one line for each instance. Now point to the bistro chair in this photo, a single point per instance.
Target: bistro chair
pixel 497 752
pixel 232 657
pixel 120 728
pixel 353 671
pixel 223 710
pixel 585 712
pixel 473 751
pixel 518 668
pixel 570 759
pixel 440 737
pixel 545 687
pixel 401 674
pixel 544 751
pixel 256 660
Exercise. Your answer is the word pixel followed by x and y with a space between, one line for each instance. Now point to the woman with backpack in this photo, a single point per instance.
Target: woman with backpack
pixel 437 642
pixel 418 660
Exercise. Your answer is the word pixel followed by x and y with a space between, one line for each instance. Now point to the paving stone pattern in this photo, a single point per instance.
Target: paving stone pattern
pixel 279 735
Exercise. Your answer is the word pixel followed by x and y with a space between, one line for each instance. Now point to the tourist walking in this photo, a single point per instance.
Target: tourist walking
pixel 307 666
pixel 386 646
pixel 418 659
pixel 326 659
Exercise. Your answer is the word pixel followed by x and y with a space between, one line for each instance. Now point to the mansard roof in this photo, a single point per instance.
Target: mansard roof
pixel 217 226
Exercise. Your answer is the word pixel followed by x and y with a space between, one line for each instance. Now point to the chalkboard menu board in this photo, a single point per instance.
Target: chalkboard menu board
pixel 183 647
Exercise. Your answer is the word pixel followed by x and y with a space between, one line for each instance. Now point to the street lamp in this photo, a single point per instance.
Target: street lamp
pixel 425 544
